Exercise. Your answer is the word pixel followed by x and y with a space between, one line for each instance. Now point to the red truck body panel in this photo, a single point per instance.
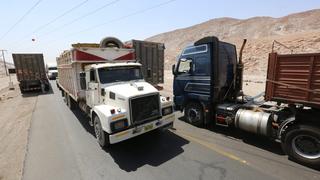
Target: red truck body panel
pixel 294 79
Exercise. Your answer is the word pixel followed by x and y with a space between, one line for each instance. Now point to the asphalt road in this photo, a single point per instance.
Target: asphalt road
pixel 62 146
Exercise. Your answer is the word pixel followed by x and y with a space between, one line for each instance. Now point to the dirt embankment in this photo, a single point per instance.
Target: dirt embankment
pixel 16 113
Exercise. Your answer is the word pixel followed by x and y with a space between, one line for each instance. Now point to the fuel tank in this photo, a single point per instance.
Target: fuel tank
pixel 254 121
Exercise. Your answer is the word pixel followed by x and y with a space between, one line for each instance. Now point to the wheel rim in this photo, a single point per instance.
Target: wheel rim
pixel 193 115
pixel 306 146
pixel 97 130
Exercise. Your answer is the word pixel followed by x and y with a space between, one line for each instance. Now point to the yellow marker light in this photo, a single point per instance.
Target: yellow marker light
pixel 118 117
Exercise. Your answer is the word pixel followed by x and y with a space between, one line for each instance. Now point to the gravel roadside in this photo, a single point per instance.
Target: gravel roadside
pixel 15 118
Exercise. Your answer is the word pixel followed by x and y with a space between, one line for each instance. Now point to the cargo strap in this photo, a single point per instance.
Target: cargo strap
pixel 294 87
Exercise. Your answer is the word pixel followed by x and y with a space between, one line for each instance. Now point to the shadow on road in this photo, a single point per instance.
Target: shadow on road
pixel 154 148
pixel 254 140
pixel 84 120
pixel 248 138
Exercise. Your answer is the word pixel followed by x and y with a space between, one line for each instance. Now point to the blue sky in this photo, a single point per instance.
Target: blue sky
pixel 125 19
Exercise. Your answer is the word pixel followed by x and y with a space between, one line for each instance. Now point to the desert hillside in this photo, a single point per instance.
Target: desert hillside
pixel 300 32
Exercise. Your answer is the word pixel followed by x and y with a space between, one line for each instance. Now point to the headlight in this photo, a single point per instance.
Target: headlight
pixel 167 110
pixel 119 125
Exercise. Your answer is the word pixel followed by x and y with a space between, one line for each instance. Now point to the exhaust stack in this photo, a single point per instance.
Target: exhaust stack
pixel 240 67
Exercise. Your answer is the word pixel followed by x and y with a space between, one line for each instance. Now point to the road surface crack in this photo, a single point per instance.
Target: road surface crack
pixel 205 166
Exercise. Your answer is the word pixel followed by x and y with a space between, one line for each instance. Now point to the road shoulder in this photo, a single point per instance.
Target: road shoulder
pixel 16 114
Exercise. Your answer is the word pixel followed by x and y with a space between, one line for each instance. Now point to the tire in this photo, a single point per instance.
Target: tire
pixel 295 141
pixel 113 40
pixel 65 97
pixel 71 103
pixel 101 136
pixel 22 90
pixel 47 87
pixel 194 114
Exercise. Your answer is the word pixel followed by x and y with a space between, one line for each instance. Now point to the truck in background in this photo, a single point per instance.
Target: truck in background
pixel 208 88
pixel 106 82
pixel 151 56
pixel 30 72
pixel 52 71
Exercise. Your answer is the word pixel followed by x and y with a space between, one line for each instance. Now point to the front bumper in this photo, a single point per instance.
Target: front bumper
pixel 164 122
pixel 52 77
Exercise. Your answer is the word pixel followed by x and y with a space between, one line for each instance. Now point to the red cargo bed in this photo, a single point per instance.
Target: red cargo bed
pixel 294 79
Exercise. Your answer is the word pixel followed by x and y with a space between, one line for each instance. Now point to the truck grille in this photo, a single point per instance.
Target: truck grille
pixel 145 108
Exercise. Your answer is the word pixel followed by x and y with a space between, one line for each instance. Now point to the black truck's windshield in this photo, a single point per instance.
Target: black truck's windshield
pixel 118 74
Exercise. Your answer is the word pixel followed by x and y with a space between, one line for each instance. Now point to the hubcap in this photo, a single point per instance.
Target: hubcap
pixel 97 130
pixel 193 115
pixel 306 146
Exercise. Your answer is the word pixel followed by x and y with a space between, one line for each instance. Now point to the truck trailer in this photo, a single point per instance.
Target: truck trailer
pixel 208 88
pixel 30 72
pixel 106 81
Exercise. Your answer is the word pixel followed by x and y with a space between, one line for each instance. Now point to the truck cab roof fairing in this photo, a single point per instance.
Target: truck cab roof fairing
pixel 213 42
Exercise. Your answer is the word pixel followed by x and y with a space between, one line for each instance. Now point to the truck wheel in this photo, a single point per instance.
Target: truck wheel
pixel 71 103
pixel 65 99
pixel 47 87
pixel 194 114
pixel 102 137
pixel 22 90
pixel 302 143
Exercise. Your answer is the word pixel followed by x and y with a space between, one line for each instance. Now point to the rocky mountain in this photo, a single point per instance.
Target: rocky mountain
pixel 300 32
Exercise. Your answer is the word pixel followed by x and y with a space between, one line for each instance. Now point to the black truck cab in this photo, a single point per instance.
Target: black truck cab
pixel 204 75
pixel 208 87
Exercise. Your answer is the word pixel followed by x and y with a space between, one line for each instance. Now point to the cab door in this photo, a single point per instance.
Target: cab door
pixel 182 77
pixel 92 94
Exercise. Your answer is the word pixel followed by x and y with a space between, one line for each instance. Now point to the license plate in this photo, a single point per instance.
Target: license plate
pixel 148 127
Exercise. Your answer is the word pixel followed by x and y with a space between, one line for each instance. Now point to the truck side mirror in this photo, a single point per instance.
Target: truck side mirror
pixel 83 84
pixel 174 69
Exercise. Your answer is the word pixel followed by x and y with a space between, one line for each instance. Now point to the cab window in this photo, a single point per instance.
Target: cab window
pixel 201 66
pixel 195 49
pixel 185 66
pixel 92 76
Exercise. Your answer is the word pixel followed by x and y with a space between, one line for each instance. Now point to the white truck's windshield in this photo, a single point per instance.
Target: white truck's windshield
pixel 52 68
pixel 118 74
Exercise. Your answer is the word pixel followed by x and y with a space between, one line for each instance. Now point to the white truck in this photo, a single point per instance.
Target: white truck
pixel 106 82
pixel 52 71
